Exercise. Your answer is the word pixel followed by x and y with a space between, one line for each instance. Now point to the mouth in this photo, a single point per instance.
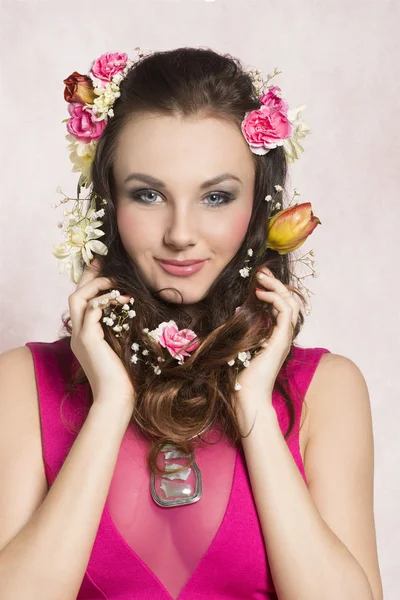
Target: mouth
pixel 182 268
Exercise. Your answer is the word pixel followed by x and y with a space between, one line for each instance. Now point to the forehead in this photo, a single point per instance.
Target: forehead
pixel 172 147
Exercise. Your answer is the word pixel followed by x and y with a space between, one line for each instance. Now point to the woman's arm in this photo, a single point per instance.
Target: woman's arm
pixel 47 559
pixel 320 539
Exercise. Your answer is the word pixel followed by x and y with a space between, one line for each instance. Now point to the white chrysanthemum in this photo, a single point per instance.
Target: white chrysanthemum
pixel 292 146
pixel 82 241
pixel 81 155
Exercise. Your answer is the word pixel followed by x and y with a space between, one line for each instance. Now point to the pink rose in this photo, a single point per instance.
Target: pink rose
pixel 273 99
pixel 108 65
pixel 81 124
pixel 169 336
pixel 266 128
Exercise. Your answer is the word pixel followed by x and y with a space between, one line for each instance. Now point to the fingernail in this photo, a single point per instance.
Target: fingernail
pixel 260 274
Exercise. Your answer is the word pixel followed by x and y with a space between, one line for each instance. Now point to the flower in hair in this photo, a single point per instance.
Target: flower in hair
pixel 175 340
pixel 91 98
pixel 288 229
pixel 81 231
pixel 273 124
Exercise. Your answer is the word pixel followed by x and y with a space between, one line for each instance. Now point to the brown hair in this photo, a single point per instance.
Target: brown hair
pixel 185 399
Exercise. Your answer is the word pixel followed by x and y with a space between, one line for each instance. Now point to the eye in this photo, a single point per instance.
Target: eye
pixel 227 197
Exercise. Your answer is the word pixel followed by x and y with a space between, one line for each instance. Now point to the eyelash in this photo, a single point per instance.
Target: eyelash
pixel 228 197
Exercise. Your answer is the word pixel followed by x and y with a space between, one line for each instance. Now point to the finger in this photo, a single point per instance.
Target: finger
pixel 272 282
pixel 78 300
pixel 286 312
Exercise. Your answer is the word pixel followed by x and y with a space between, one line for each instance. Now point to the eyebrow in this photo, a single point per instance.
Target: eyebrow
pixel 157 182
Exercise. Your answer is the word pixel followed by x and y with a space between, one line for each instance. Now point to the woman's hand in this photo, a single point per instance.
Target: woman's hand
pixel 106 373
pixel 258 379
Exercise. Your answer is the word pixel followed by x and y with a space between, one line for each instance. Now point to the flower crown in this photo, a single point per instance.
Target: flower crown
pixel 91 97
pixel 90 105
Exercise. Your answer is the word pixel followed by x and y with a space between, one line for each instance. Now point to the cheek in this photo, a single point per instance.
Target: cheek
pixel 131 228
pixel 231 230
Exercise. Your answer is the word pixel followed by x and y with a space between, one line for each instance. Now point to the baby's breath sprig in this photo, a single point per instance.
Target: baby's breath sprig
pixel 245 271
pixel 117 321
pixel 135 356
pixel 243 358
pixel 272 200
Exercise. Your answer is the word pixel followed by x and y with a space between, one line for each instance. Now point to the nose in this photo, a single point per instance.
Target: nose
pixel 181 229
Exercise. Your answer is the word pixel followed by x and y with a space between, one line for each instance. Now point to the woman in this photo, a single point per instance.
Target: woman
pixel 180 459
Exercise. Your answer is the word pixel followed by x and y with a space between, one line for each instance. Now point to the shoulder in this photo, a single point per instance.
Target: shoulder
pixel 18 390
pixel 17 362
pixel 337 393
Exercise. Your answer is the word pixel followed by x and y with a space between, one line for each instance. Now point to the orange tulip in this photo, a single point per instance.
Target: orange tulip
pixel 288 229
pixel 79 88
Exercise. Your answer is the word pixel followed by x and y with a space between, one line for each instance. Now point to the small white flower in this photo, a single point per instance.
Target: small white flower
pixel 125 326
pixel 242 356
pixel 278 188
pixel 238 386
pixel 131 301
pixel 117 328
pixel 245 272
pixel 231 362
pixel 268 198
pixel 58 190
pixel 160 359
pixel 131 314
pixel 145 330
pixel 115 294
pixel 145 352
pixel 113 316
pixel 134 358
pixel 157 370
pixel 250 252
pixel 135 346
pixel 125 307
pixel 278 205
pixel 246 363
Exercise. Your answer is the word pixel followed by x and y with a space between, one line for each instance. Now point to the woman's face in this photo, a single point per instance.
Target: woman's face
pixel 166 210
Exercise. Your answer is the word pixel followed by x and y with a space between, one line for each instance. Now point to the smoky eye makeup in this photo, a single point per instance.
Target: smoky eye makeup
pixel 139 194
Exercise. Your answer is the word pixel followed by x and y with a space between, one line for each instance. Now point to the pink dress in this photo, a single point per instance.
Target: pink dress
pixel 210 549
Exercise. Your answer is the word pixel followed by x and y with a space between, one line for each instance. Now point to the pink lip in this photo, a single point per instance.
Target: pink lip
pixel 183 270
